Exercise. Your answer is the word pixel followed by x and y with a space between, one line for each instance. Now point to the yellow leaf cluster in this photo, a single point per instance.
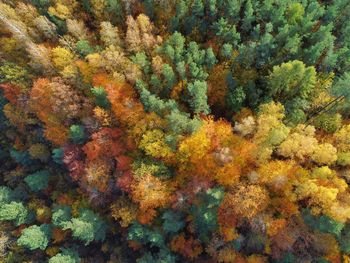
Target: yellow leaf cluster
pixel 153 143
pixel 124 211
pixel 150 192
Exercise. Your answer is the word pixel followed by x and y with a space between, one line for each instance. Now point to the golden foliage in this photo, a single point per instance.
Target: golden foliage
pixel 124 211
pixel 150 192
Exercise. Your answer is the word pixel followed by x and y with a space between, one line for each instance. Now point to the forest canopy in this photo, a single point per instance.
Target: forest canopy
pixel 164 131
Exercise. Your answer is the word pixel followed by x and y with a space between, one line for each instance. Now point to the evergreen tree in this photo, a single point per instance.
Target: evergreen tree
pixel 38 181
pixel 198 93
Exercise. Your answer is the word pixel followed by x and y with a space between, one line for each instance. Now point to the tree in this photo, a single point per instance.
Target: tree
pixel 101 99
pixel 248 16
pixel 189 248
pixel 15 211
pixel 210 59
pixel 77 134
pixel 300 144
pixel 38 181
pixel 39 151
pixel 87 227
pixel 145 235
pixel 35 237
pixel 226 50
pixel 61 57
pixel 344 239
pixel 292 79
pixel 150 192
pixel 198 93
pixel 61 215
pixel 169 76
pixel 325 153
pixel 65 256
pixel 235 99
pixel 83 47
pixel 124 211
pixel 141 59
pixel 295 13
pixel 245 201
pixel 6 195
pixel 77 28
pixel 173 221
pixel 109 34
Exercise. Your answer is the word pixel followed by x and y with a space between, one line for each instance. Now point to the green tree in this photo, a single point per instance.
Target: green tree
pixel 38 180
pixel 35 237
pixel 83 48
pixel 248 16
pixel 87 227
pixel 65 256
pixel 235 99
pixel 198 95
pixel 6 195
pixel 77 134
pixel 344 239
pixel 142 61
pixel 173 221
pixel 153 103
pixel 14 211
pixel 180 122
pixel 101 99
pixel 145 235
pixel 291 79
pixel 226 50
pixel 210 59
pixel 61 215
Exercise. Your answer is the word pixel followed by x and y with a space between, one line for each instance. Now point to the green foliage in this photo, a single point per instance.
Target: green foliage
pixel 343 158
pixel 35 237
pixel 344 239
pixel 226 50
pixel 12 73
pixel 169 76
pixel 22 158
pixel 163 256
pixel 142 61
pixel 323 223
pixel 180 122
pixel 295 13
pixel 77 134
pixel 87 227
pixel 145 235
pixel 38 180
pixel 268 66
pixel 173 221
pixel 235 99
pixel 226 31
pixel 83 47
pixel 330 123
pixel 205 214
pixel 57 155
pixel 14 211
pixel 6 195
pixel 101 97
pixel 66 256
pixel 291 79
pixel 153 103
pixel 210 58
pixel 61 215
pixel 198 94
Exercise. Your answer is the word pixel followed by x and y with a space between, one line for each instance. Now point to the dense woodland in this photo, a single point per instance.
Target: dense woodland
pixel 164 131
